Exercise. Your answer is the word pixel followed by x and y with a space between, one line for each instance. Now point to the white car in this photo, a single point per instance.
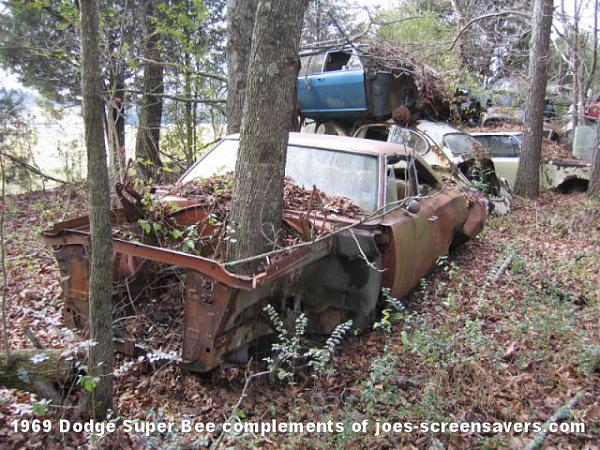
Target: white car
pixel 564 174
pixel 447 150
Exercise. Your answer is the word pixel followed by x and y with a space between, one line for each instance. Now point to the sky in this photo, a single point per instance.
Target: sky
pixel 587 10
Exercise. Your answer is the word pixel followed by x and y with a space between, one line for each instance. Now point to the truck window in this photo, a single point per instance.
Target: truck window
pixel 353 63
pixel 311 64
pixel 336 61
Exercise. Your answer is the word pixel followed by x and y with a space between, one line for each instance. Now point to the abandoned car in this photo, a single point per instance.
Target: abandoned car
pixel 344 84
pixel 561 173
pixel 446 148
pixel 410 219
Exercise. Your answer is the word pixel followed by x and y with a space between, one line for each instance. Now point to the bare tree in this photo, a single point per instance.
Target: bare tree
pixel 257 204
pixel 578 53
pixel 240 23
pixel 100 289
pixel 527 182
pixel 489 35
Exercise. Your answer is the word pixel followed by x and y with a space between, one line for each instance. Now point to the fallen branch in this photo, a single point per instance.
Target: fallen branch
pixel 503 267
pixel 362 253
pixel 561 413
pixel 33 169
pixel 37 254
pixel 32 338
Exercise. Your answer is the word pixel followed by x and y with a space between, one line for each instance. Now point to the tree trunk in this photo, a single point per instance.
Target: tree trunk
pixel 115 125
pixel 527 182
pixel 257 204
pixel 575 65
pixel 594 186
pixel 100 289
pixel 151 105
pixel 188 116
pixel 592 72
pixel 240 25
pixel 117 111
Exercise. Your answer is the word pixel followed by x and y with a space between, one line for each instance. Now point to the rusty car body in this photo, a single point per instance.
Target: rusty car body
pixel 415 219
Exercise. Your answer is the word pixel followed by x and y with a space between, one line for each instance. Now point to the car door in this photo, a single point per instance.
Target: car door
pixel 310 70
pixel 505 154
pixel 338 91
pixel 419 238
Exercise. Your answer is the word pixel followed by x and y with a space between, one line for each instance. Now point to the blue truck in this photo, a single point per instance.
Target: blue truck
pixel 345 83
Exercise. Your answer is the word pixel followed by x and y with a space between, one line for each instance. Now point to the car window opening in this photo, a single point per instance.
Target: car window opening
pixel 336 61
pixel 377 133
pixel 408 179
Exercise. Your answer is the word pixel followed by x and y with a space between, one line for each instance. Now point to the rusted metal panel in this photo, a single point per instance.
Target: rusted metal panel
pixel 336 278
pixel 418 240
pixel 329 279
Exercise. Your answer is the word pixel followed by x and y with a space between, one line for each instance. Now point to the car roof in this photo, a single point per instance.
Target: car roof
pixel 496 133
pixel 344 143
pixel 436 130
pixel 313 49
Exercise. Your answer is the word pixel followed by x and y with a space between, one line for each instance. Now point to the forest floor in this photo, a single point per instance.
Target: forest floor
pixel 464 349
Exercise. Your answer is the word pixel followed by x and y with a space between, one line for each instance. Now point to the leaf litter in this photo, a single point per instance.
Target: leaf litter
pixel 526 352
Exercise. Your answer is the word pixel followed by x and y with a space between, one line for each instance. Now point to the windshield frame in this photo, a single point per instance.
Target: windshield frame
pixel 459 133
pixel 193 166
pixel 380 182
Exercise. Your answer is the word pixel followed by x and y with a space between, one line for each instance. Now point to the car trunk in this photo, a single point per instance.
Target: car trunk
pixel 221 312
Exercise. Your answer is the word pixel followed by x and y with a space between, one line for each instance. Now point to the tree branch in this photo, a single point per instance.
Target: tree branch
pixel 484 17
pixel 32 169
pixel 562 413
pixel 185 69
pixel 207 101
